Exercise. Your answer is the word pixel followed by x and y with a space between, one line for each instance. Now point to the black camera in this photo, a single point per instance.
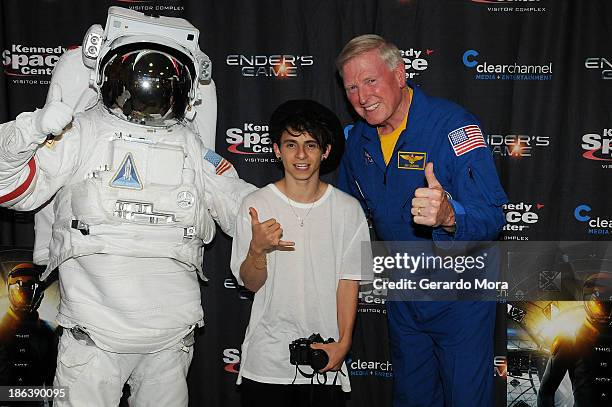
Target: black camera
pixel 300 352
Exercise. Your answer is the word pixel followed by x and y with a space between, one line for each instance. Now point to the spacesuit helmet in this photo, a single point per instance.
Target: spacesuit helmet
pixel 24 288
pixel 146 83
pixel 597 296
pixel 146 68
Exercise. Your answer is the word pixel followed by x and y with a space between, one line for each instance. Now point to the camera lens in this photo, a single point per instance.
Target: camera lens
pixel 318 359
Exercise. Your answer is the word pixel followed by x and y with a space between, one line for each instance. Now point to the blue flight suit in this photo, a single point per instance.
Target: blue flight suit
pixel 442 352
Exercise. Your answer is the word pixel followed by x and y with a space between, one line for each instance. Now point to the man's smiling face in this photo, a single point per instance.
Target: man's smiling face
pixel 374 90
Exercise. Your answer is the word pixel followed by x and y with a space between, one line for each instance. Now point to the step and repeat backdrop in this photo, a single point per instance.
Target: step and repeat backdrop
pixel 537 73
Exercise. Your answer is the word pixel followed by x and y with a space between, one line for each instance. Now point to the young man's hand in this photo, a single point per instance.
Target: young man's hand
pixel 266 235
pixel 336 351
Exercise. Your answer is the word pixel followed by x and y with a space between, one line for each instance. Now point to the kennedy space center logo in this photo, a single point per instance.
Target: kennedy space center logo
pixel 30 65
pixel 248 139
pixel 416 61
pixel 372 300
pixel 251 141
pixel 598 148
pixel 151 5
pixel 279 66
pixel 521 216
pixel 512 6
pixel 231 359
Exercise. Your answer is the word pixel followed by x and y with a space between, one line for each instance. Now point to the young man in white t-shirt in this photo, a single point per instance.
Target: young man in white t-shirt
pixel 299 246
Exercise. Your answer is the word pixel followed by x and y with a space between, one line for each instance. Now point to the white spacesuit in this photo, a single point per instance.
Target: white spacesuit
pixel 73 77
pixel 136 195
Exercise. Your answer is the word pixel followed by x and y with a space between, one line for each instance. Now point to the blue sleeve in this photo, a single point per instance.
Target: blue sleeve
pixel 477 197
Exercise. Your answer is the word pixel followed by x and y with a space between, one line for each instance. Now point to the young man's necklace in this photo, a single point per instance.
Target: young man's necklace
pixel 299 218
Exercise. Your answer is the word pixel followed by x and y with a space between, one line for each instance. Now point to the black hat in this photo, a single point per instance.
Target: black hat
pixel 303 115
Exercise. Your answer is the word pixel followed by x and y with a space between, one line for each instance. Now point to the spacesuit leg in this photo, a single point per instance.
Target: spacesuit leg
pixel 93 377
pixel 416 377
pixel 463 334
pixel 160 379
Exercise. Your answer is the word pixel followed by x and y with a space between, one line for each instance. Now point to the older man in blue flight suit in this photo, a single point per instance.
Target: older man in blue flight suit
pixel 441 351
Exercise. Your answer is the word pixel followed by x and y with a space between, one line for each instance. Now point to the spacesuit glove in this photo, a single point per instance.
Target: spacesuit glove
pixel 54 116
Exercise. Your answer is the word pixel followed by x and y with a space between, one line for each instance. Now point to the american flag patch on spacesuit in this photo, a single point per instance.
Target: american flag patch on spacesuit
pixel 466 139
pixel 220 163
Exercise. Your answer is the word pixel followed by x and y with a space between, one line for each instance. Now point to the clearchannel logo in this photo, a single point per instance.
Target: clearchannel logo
pixel 28 64
pixel 505 72
pixel 358 367
pixel 512 6
pixel 601 65
pixel 597 225
pixel 416 61
pixel 516 146
pixel 271 66
pixel 598 147
pixel 520 217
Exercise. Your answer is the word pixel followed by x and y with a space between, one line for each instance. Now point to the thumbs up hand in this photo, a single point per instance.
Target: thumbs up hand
pixel 430 206
pixel 266 235
pixel 55 116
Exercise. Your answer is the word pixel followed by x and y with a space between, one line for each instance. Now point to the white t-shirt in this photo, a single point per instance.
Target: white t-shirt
pixel 299 295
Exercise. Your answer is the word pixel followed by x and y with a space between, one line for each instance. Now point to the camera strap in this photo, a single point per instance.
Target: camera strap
pixel 306 375
pixel 336 376
pixel 312 375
